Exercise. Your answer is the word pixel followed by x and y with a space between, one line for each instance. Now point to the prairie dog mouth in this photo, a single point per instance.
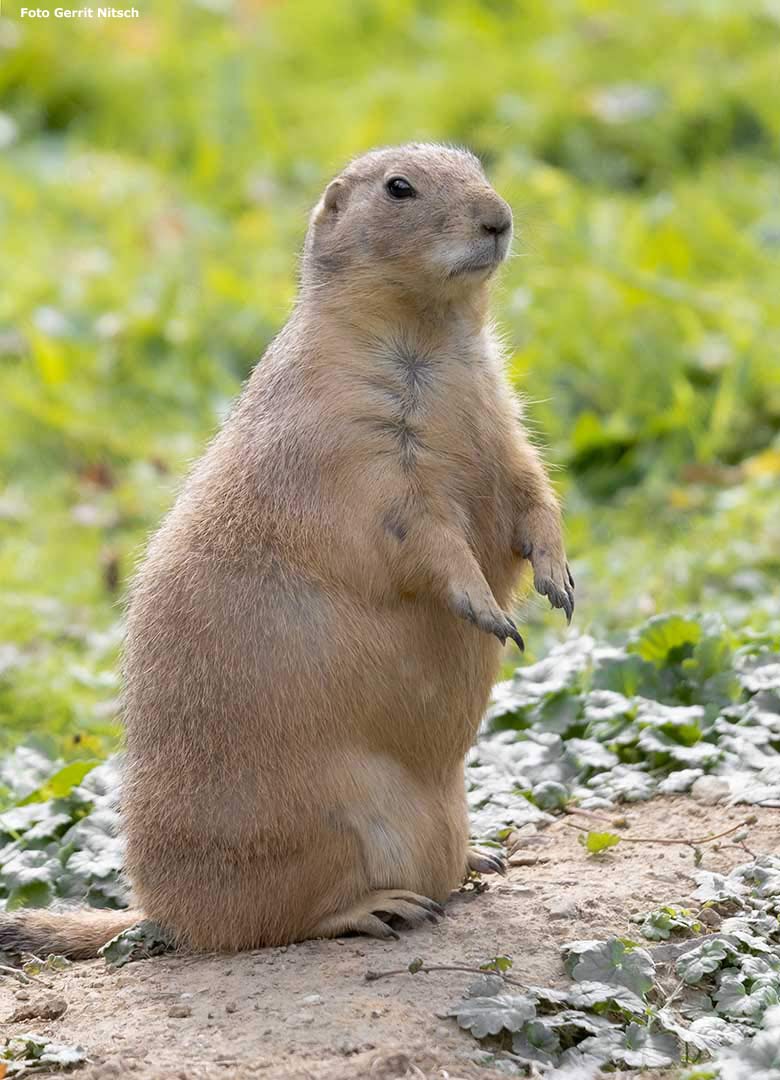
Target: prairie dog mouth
pixel 484 257
pixel 476 263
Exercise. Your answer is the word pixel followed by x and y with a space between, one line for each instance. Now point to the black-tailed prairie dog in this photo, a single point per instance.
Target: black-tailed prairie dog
pixel 313 635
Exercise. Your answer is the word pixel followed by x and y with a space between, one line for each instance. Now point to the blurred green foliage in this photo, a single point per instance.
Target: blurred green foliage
pixel 155 176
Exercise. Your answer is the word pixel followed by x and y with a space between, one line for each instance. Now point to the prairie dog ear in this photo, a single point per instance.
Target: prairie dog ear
pixel 332 202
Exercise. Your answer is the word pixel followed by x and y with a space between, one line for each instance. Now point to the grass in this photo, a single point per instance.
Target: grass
pixel 153 197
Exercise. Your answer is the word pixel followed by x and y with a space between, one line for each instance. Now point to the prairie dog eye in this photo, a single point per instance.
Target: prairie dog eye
pixel 398 187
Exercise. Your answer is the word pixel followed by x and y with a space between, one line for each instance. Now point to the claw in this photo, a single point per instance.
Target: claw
pixel 484 862
pixel 516 636
pixel 568 607
pixel 373 927
pixel 559 598
pixel 487 618
pixel 364 917
pixel 424 902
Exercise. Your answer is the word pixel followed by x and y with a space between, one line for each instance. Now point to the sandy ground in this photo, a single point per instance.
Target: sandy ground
pixel 307 1011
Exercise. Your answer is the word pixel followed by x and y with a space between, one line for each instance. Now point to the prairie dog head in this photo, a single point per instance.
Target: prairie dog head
pixel 420 218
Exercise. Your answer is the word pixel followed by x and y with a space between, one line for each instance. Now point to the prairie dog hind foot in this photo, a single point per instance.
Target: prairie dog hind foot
pixel 373 913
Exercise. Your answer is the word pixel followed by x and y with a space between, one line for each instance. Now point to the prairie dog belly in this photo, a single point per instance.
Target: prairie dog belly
pixel 411 835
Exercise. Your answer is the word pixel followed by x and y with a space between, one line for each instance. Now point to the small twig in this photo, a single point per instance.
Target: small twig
pixel 680 985
pixel 15 972
pixel 372 976
pixel 694 842
pixel 22 976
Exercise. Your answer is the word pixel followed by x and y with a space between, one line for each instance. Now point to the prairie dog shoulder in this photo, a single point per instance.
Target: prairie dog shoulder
pixel 382 400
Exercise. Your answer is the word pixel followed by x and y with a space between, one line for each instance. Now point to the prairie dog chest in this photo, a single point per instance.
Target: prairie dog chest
pixel 432 411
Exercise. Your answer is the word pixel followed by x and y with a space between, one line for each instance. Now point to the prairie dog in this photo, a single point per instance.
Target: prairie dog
pixel 314 633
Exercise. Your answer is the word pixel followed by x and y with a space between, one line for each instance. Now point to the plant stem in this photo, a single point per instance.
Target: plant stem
pixel 17 973
pixel 372 976
pixel 670 840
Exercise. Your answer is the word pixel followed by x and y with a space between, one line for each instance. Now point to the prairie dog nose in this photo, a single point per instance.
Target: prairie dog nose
pixel 496 219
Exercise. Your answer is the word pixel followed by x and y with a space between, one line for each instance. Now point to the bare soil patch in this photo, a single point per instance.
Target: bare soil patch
pixel 307 1011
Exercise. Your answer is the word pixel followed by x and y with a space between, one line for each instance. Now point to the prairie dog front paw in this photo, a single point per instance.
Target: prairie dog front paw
pixel 540 540
pixel 479 606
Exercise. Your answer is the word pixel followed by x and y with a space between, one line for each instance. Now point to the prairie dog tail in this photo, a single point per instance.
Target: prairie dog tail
pixel 77 933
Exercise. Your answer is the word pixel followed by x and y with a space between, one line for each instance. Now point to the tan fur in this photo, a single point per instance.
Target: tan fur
pixel 77 933
pixel 313 636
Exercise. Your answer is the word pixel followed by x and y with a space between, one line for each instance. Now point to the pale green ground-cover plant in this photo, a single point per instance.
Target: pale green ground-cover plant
pixel 619 1011
pixel 569 729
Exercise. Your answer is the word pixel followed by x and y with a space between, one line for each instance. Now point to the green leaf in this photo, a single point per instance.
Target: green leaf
pixel 701 961
pixel 550 795
pixel 575 1020
pixel 636 1047
pixel 765 874
pixel 659 925
pixel 558 713
pixel 586 995
pixel 708 1033
pixel 644 1049
pixel 625 782
pixel 626 676
pixel 61 783
pixel 762 676
pixel 536 1043
pixel 24 770
pixel 600 841
pixel 30 1053
pixel 665 639
pixel 611 961
pixel 497 963
pixel 487 986
pixel 718 888
pixel 734 998
pixel 141 941
pixel 53 962
pixel 28 877
pixel 604 705
pixel 757 1058
pixel 491 1015
pixel 35 894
